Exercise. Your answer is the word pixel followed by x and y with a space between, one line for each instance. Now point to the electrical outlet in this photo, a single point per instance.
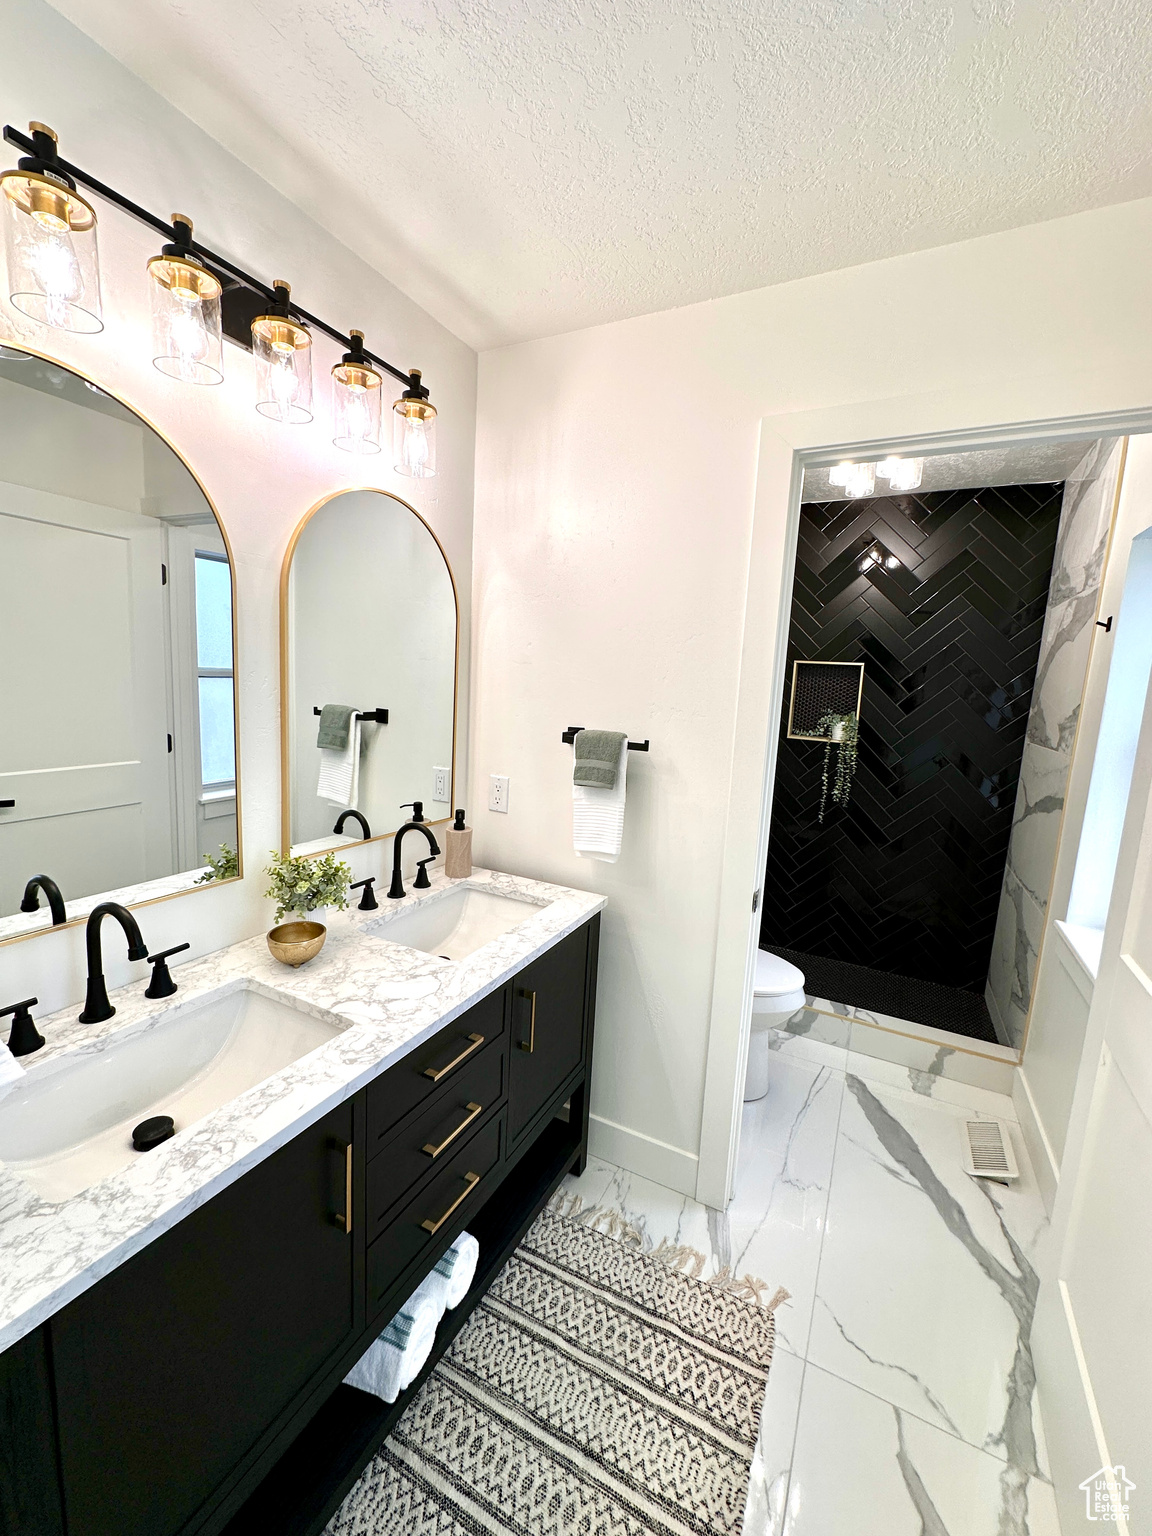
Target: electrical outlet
pixel 441 780
pixel 498 792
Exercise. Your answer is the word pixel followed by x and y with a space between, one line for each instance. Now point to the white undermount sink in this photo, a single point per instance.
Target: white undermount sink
pixel 70 1123
pixel 455 923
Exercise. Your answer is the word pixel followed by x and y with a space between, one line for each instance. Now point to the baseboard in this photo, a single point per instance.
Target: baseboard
pixel 644 1155
pixel 1040 1151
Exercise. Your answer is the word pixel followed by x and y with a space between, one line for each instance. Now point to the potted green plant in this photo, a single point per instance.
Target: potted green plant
pixel 842 733
pixel 303 890
pixel 224 865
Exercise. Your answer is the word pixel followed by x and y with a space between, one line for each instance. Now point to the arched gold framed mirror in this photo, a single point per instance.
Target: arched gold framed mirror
pixel 119 747
pixel 369 625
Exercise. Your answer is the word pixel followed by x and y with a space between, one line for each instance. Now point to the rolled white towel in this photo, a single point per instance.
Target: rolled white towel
pixel 10 1070
pixel 449 1282
pixel 397 1357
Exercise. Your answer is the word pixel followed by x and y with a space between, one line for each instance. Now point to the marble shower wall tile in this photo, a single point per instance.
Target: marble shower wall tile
pixel 1055 710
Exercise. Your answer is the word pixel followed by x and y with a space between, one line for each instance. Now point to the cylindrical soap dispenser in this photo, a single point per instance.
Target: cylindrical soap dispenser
pixel 458 849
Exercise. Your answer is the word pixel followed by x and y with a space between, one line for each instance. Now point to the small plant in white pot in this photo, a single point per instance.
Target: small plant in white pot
pixel 303 890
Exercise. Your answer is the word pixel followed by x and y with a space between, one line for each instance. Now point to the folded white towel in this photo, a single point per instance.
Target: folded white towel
pixel 397 1357
pixel 11 1072
pixel 598 816
pixel 449 1282
pixel 339 781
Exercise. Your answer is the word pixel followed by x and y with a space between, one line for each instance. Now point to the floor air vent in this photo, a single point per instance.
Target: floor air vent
pixel 987 1149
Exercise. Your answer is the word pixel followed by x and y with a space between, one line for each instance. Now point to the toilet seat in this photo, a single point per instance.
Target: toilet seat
pixel 778 986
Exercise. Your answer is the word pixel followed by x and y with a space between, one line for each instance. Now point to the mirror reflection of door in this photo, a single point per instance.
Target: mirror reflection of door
pixel 117 737
pixel 368 621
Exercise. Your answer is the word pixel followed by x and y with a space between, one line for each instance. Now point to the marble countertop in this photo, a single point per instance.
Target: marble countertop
pixel 386 998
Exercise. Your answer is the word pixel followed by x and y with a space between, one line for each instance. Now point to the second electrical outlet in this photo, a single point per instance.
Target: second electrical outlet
pixel 498 792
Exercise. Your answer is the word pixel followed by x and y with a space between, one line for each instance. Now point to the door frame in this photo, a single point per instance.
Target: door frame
pixel 1003 412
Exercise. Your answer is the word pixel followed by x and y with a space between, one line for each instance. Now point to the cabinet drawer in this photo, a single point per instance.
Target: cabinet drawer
pixel 438 1211
pixel 430 1136
pixel 431 1065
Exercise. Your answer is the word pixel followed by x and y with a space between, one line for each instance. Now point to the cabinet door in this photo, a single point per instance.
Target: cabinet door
pixel 168 1371
pixel 547 1042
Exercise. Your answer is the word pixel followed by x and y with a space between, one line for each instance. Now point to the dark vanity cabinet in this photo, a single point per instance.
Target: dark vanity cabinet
pixel 196 1389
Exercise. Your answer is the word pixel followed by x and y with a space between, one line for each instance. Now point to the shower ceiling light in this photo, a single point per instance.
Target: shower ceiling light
pixel 356 392
pixel 901 474
pixel 857 479
pixel 414 431
pixel 50 241
pixel 282 349
pixel 186 337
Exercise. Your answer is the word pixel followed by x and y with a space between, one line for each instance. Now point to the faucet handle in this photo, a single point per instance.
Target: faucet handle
pixel 367 902
pixel 422 882
pixel 162 984
pixel 24 1037
pixel 416 807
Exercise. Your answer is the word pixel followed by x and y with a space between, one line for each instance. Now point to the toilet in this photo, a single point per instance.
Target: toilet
pixel 778 990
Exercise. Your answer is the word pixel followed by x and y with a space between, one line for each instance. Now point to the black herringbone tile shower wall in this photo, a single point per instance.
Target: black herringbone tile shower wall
pixel 907 878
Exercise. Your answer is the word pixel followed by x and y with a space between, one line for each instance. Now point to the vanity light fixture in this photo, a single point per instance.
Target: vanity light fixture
pixel 414 431
pixel 50 241
pixel 356 394
pixel 857 479
pixel 901 474
pixel 282 351
pixel 186 336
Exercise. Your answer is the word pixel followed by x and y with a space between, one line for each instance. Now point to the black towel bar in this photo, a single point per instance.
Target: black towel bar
pixel 379 716
pixel 569 736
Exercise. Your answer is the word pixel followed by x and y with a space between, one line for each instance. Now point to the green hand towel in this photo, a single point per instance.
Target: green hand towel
pixel 597 759
pixel 335 721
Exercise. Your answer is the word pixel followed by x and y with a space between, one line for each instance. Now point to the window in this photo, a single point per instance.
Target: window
pixel 214 670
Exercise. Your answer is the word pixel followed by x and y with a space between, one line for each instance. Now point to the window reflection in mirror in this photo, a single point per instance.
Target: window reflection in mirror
pixel 118 739
pixel 368 622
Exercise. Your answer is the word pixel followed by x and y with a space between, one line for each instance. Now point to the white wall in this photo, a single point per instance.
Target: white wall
pixel 616 478
pixel 261 476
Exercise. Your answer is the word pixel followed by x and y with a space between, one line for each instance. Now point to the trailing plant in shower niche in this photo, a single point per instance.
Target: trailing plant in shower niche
pixel 224 865
pixel 842 732
pixel 301 885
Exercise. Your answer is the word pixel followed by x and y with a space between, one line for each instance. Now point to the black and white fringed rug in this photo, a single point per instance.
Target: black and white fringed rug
pixel 595 1391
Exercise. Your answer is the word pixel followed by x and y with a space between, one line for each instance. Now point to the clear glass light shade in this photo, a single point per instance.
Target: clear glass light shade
pixel 901 474
pixel 414 438
pixel 356 395
pixel 282 351
pixel 50 249
pixel 857 479
pixel 186 337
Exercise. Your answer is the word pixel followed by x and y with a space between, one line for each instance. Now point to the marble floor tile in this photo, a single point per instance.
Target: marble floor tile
pixel 931 1085
pixel 864 1467
pixel 787 1045
pixel 768 1490
pixel 926 1287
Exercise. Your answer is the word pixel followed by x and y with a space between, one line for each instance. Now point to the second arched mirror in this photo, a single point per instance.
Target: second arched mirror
pixel 368 654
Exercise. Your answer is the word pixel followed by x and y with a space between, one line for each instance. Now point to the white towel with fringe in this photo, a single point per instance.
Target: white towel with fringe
pixel 397 1357
pixel 339 781
pixel 598 815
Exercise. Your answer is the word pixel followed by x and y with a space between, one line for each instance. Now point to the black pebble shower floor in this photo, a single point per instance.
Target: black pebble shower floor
pixel 920 1002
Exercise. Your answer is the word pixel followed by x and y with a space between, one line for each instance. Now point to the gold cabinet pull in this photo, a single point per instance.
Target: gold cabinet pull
pixel 471 1180
pixel 344 1217
pixel 473 1111
pixel 530 1044
pixel 436 1073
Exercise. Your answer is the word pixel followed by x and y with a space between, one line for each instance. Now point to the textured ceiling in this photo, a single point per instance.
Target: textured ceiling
pixel 524 167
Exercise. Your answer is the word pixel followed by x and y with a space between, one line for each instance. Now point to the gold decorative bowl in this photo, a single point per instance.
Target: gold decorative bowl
pixel 294 943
